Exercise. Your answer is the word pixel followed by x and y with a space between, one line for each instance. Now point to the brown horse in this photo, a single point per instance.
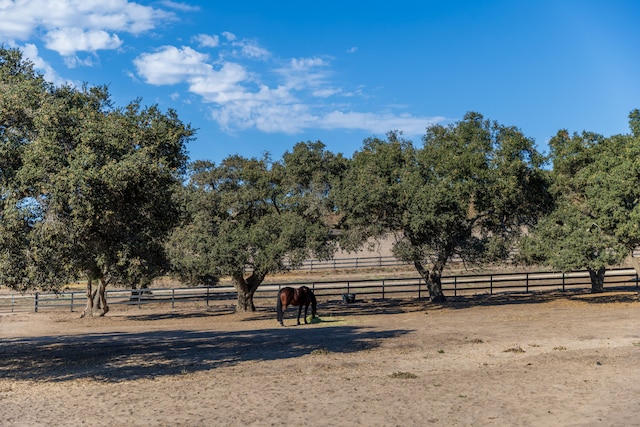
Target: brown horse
pixel 303 296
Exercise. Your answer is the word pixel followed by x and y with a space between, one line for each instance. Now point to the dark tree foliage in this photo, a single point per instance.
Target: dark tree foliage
pixel 595 222
pixel 468 192
pixel 247 218
pixel 93 192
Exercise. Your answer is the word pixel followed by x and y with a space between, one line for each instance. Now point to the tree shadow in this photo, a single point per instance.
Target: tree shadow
pixel 371 307
pixel 115 356
pixel 182 314
pixel 325 309
pixel 611 295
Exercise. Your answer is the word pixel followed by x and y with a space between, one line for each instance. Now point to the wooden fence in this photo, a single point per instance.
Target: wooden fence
pixel 453 286
pixel 350 263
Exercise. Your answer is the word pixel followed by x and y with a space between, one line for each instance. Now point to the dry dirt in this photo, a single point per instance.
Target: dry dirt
pixel 536 360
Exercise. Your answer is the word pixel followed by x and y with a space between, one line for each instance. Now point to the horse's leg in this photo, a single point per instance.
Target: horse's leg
pixel 299 312
pixel 279 310
pixel 284 310
pixel 306 308
pixel 279 315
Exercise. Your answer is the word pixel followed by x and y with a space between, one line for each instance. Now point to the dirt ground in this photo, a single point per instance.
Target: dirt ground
pixel 526 360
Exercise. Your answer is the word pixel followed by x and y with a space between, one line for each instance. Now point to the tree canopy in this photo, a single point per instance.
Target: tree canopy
pixel 247 218
pixel 22 95
pixel 92 190
pixel 595 222
pixel 104 193
pixel 467 192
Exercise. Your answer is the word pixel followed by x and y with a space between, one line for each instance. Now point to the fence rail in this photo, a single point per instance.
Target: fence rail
pixel 329 290
pixel 351 263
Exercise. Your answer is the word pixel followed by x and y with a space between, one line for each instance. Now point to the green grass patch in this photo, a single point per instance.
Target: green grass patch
pixel 317 320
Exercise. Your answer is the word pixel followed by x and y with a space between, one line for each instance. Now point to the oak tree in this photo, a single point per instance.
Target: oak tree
pixel 595 223
pixel 467 192
pixel 91 187
pixel 247 218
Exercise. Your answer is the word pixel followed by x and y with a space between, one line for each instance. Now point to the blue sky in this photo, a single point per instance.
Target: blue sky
pixel 259 76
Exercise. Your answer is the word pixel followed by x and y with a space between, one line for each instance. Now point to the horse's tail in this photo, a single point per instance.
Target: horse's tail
pixel 279 306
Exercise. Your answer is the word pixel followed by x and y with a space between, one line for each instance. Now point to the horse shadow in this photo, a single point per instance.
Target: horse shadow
pixel 117 356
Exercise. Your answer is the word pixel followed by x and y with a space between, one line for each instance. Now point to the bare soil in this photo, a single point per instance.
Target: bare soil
pixel 535 360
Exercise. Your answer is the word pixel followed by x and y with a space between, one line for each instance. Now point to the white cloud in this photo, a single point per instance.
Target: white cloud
pixel 179 6
pixel 73 61
pixel 268 117
pixel 170 65
pixel 229 36
pixel 311 73
pixel 378 123
pixel 242 48
pixel 326 92
pixel 205 40
pixel 70 26
pixel 68 41
pixel 302 96
pixel 221 86
pixel 250 49
pixel 305 64
pixel 242 101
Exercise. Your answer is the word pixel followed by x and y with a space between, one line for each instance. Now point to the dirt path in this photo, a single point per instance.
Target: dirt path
pixel 523 360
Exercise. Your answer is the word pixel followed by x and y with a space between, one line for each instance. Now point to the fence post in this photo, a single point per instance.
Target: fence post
pixel 419 288
pixel 455 286
pixel 35 303
pixel 173 298
pixel 563 281
pixel 526 282
pixel 72 302
pixel 139 297
pixel 382 288
pixel 491 284
pixel 208 287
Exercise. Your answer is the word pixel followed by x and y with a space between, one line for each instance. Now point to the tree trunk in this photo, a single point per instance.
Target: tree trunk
pixel 102 298
pixel 597 280
pixel 246 288
pixel 245 301
pixel 433 280
pixel 96 299
pixel 91 293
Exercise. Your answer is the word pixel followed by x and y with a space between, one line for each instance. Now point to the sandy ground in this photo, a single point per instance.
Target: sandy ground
pixel 526 360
